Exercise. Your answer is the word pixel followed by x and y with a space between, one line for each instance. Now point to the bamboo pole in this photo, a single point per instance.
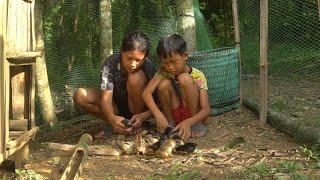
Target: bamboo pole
pixel 263 61
pixel 93 150
pixel 236 28
pixel 74 167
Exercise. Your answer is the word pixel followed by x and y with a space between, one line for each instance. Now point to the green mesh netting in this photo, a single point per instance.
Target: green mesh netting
pixel 221 67
pixel 72 40
pixel 293 57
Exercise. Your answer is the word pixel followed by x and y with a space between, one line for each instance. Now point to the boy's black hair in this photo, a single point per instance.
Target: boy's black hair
pixel 171 44
pixel 136 40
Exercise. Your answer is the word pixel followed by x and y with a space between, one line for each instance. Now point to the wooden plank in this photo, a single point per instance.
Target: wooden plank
pixel 4 113
pixel 20 33
pixel 5 81
pixel 263 61
pixel 15 134
pixel 11 151
pixel 29 45
pixel 32 99
pixel 11 26
pixel 74 167
pixel 21 55
pixel 33 28
pixel 93 150
pixel 18 125
pixel 24 137
pixel 17 92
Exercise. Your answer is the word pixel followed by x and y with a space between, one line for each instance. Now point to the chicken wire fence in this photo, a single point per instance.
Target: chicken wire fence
pixel 293 57
pixel 72 41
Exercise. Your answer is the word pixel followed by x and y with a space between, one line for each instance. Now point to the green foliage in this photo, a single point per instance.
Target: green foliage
pixel 289 167
pixel 177 172
pixel 220 22
pixel 27 174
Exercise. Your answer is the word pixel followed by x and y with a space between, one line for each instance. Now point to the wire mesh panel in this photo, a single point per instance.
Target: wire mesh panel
pixel 72 40
pixel 293 57
pixel 221 67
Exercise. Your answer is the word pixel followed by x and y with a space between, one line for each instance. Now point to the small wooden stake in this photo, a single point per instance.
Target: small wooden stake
pixel 21 156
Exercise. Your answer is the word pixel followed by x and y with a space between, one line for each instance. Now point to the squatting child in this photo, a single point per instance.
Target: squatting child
pixel 181 89
pixel 124 76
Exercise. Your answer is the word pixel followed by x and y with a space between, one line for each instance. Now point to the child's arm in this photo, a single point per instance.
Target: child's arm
pixel 108 112
pixel 185 126
pixel 161 120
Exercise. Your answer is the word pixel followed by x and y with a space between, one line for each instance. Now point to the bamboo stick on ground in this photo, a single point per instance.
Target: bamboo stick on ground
pixel 93 150
pixel 74 167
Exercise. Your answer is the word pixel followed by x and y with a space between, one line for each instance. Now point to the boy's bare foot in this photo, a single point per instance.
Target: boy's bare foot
pixel 99 135
pixel 198 134
pixel 198 130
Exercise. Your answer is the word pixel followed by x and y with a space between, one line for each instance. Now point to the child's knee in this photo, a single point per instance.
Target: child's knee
pixel 185 79
pixel 164 85
pixel 136 79
pixel 80 96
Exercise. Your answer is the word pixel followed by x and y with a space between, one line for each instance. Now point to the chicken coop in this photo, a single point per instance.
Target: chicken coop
pixel 17 79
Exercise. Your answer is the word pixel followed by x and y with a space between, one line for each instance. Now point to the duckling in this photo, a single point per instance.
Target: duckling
pixel 140 145
pixel 166 149
pixel 126 147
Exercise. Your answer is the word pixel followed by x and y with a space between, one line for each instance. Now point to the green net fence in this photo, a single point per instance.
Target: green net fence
pixel 293 57
pixel 72 40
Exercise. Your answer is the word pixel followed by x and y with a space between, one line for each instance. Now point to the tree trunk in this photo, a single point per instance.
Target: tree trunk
pixel 106 29
pixel 42 83
pixel 187 23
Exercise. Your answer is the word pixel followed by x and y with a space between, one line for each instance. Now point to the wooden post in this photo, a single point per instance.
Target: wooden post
pixel 106 29
pixel 74 167
pixel 237 37
pixel 187 23
pixel 4 82
pixel 21 155
pixel 263 61
pixel 319 8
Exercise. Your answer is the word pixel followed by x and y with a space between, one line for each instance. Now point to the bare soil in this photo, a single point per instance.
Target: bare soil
pixel 264 149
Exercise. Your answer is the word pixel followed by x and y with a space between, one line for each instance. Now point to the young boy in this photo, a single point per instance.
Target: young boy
pixel 123 79
pixel 182 90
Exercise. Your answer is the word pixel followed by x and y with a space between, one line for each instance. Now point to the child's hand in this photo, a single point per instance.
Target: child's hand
pixel 184 129
pixel 137 120
pixel 162 123
pixel 118 126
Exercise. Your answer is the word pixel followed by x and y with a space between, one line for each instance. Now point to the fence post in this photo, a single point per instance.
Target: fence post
pixel 237 36
pixel 263 61
pixel 319 8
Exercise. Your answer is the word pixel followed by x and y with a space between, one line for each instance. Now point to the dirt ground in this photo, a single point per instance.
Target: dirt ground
pixel 266 153
pixel 298 99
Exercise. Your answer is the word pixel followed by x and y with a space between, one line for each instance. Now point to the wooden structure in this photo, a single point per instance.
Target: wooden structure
pixel 17 78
